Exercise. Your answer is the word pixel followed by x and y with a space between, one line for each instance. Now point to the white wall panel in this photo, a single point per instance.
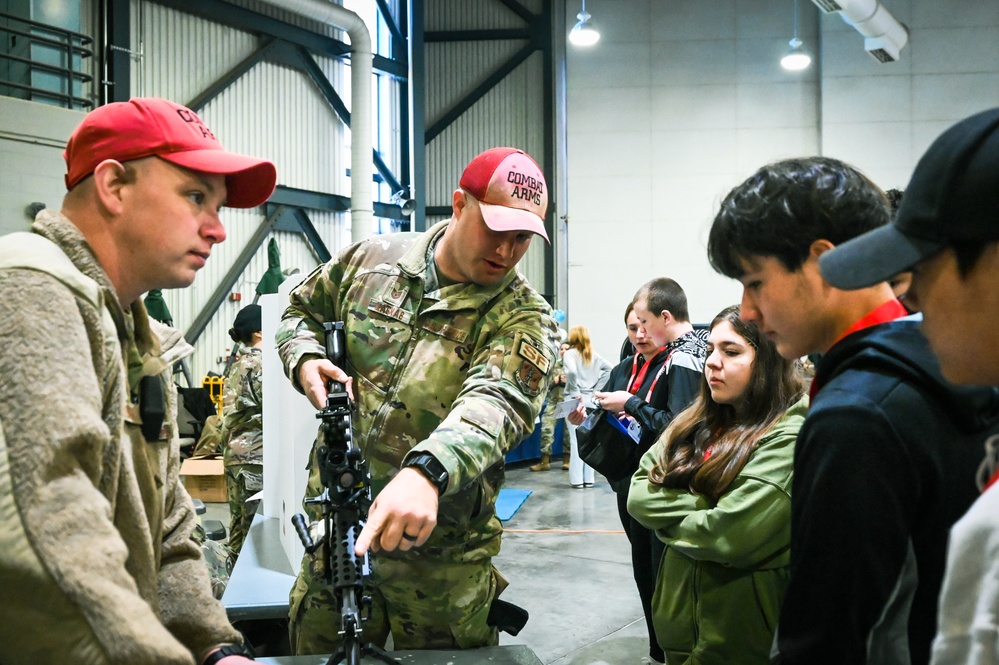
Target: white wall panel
pixel 642 195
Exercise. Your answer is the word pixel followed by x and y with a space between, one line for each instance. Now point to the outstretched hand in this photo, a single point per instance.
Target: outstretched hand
pixel 315 374
pixel 402 516
pixel 578 416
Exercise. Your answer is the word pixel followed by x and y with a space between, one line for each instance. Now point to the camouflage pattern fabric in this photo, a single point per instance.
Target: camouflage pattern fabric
pixel 215 557
pixel 425 605
pixel 556 394
pixel 242 411
pixel 241 482
pixel 210 441
pixel 459 372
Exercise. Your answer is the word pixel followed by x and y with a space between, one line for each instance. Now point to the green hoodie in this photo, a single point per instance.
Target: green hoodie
pixel 725 569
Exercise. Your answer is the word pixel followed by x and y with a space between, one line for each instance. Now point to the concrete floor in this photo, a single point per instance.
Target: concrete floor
pixel 568 563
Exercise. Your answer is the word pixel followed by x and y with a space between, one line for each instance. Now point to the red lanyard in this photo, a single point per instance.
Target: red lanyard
pixel 884 313
pixel 635 382
pixel 658 374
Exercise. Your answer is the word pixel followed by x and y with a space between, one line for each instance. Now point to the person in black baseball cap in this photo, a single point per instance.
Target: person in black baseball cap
pixel 947 231
pixel 885 462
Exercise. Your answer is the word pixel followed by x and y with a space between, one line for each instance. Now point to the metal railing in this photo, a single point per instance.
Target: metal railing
pixel 40 39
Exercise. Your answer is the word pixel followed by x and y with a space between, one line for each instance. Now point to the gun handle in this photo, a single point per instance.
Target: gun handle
pixel 302 529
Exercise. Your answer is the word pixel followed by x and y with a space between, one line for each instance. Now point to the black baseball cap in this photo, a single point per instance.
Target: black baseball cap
pixel 953 197
pixel 247 320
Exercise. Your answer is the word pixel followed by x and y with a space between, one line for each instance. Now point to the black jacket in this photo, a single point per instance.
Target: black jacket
pixel 884 465
pixel 674 391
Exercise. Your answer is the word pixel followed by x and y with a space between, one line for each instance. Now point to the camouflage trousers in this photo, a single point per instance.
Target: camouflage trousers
pixel 548 422
pixel 423 604
pixel 241 482
pixel 215 557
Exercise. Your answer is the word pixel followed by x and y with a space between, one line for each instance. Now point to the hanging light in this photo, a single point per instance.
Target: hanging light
pixel 584 33
pixel 796 58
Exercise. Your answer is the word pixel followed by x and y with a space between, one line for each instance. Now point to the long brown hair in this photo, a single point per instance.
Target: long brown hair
pixel 775 385
pixel 579 339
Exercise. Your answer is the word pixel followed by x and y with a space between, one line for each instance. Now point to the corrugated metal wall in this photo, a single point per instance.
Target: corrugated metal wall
pixel 511 113
pixel 276 112
pixel 272 111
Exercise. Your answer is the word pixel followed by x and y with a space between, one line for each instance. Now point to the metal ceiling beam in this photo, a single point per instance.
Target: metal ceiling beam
pixel 296 220
pixel 258 24
pixel 225 285
pixel 312 200
pixel 469 100
pixel 520 10
pixel 265 51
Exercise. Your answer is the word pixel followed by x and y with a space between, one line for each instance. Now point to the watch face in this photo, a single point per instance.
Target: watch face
pixel 431 467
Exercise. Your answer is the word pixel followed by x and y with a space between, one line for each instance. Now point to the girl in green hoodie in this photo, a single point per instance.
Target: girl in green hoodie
pixel 716 487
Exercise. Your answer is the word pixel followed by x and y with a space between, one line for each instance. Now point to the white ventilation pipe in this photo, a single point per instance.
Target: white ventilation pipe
pixel 884 35
pixel 361 147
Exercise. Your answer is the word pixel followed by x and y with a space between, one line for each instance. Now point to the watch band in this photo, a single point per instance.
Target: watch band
pixel 226 650
pixel 431 468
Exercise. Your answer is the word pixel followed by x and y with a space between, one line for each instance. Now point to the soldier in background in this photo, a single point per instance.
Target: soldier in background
pixel 242 431
pixel 556 393
pixel 449 355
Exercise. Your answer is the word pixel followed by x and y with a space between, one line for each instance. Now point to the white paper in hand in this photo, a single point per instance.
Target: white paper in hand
pixel 565 408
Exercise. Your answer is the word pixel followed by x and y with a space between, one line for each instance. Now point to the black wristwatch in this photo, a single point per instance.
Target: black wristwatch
pixel 226 650
pixel 430 467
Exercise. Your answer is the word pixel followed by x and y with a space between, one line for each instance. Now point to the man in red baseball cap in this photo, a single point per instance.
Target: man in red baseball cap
pixel 451 352
pixel 99 563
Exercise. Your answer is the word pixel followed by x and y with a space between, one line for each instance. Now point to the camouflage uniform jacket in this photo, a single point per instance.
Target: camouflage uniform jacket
pixel 98 565
pixel 242 411
pixel 460 372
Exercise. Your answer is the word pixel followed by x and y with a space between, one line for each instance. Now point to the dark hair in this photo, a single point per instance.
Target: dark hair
pixel 661 294
pixel 786 206
pixel 775 385
pixel 246 323
pixel 894 197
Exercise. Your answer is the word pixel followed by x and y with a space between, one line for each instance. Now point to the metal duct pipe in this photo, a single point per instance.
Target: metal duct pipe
pixel 361 146
pixel 884 35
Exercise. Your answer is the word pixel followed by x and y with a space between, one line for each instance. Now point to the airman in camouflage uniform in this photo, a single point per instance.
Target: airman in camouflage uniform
pixel 556 394
pixel 243 429
pixel 216 558
pixel 449 352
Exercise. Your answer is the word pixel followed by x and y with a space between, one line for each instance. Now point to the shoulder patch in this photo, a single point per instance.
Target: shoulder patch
pixel 533 355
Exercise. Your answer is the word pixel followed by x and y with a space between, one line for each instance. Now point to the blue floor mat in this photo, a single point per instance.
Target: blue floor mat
pixel 509 501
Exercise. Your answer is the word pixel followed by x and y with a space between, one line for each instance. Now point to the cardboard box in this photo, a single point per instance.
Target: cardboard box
pixel 204 478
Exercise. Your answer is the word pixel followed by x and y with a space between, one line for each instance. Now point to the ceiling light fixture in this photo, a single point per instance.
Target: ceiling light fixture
pixel 796 58
pixel 584 33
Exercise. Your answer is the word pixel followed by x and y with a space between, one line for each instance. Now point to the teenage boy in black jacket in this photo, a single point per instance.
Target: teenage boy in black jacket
pixel 886 460
pixel 947 233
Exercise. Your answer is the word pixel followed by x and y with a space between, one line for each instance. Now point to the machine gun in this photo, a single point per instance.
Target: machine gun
pixel 344 504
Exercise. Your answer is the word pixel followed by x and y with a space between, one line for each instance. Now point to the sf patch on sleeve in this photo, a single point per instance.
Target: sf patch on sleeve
pixel 529 365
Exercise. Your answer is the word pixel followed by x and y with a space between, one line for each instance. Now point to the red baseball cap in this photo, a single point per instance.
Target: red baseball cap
pixel 144 127
pixel 510 189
